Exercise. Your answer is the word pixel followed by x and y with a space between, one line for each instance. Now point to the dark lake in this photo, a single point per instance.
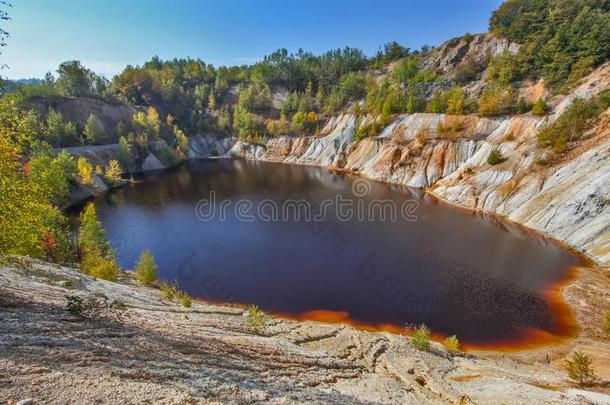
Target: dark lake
pixel 459 273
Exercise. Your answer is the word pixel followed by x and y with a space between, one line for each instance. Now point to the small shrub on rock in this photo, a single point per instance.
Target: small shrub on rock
pixel 420 339
pixel 580 370
pixel 256 319
pixel 169 290
pixel 495 157
pixel 146 269
pixel 185 300
pixel 452 344
pixel 606 324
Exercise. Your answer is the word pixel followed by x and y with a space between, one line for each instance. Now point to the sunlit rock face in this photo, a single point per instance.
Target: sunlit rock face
pixel 448 156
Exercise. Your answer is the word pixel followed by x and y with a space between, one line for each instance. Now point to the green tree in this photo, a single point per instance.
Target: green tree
pixel 455 101
pixel 495 157
pixel 580 370
pixel 91 234
pixel 74 80
pixel 539 107
pixel 146 269
pixel 92 132
pixel 125 155
pixel 27 219
pixel 50 178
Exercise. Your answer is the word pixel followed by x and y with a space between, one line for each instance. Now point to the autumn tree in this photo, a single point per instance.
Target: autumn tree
pixel 85 170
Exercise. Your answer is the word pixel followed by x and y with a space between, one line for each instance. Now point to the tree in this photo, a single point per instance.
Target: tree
pixel 85 170
pixel 182 144
pixel 93 133
pixel 455 101
pixel 74 80
pixel 50 178
pixel 113 172
pixel 496 100
pixel 580 370
pixel 26 218
pixel 125 155
pixel 97 259
pixel 146 269
pixel 91 234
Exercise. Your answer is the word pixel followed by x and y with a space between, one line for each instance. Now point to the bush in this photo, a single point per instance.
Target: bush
pixel 256 319
pixel 452 344
pixel 185 300
pixel 579 369
pixel 420 339
pixel 572 124
pixel 539 107
pixel 496 100
pixel 495 157
pixel 169 290
pixel 146 269
pixel 97 265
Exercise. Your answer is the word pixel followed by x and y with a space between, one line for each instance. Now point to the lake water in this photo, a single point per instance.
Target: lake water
pixel 228 231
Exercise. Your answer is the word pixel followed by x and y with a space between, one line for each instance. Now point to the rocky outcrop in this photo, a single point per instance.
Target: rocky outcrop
pixel 475 48
pixel 77 110
pixel 566 199
pixel 136 347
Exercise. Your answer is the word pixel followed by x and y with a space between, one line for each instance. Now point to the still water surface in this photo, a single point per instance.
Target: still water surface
pixel 459 273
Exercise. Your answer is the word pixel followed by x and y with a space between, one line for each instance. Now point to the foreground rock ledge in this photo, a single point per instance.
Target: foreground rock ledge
pixel 155 351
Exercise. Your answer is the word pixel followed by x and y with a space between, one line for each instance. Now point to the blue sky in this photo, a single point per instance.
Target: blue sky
pixel 107 35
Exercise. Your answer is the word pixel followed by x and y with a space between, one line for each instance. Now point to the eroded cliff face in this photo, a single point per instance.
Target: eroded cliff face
pixel 566 199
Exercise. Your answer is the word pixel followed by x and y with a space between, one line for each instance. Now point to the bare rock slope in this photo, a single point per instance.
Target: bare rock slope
pixel 140 348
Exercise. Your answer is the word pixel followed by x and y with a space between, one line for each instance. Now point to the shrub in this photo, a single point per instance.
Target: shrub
pixel 256 319
pixel 579 369
pixel 146 269
pixel 420 339
pixel 88 306
pixel 97 265
pixel 572 124
pixel 75 305
pixel 496 100
pixel 169 290
pixel 452 344
pixel 539 107
pixel 495 157
pixel 185 300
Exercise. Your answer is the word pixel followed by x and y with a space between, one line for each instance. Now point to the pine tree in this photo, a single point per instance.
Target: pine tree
pixel 146 269
pixel 91 233
pixel 125 155
pixel 93 133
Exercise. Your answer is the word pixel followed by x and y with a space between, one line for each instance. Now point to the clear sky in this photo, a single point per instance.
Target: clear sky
pixel 106 35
